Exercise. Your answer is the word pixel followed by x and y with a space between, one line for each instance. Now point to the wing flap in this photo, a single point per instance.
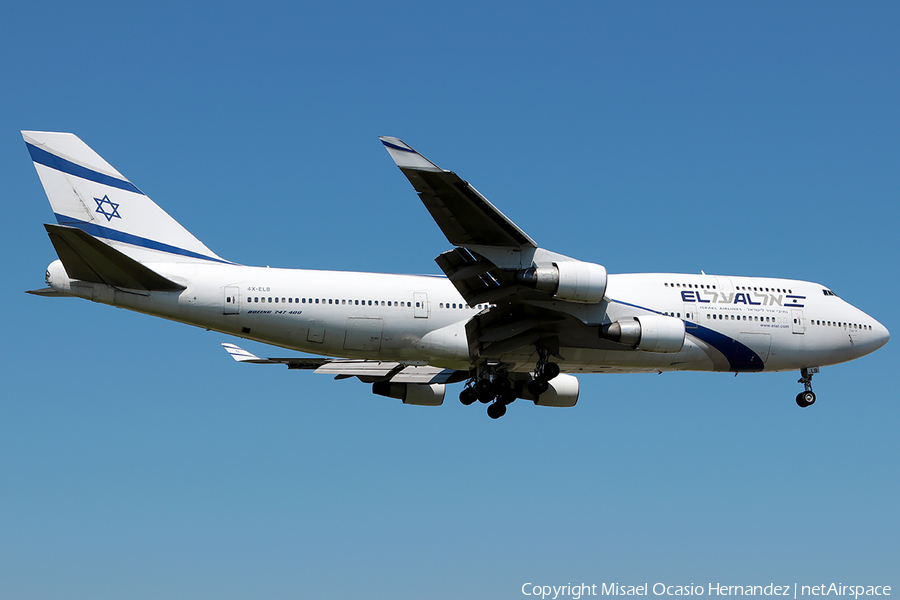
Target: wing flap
pixel 360 368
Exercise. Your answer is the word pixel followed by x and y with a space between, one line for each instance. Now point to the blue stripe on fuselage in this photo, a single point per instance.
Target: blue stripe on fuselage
pixel 740 357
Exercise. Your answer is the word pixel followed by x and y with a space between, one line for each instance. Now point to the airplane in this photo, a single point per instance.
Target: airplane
pixel 510 319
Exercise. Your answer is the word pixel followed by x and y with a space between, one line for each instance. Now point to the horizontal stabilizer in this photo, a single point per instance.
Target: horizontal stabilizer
pixel 48 292
pixel 88 259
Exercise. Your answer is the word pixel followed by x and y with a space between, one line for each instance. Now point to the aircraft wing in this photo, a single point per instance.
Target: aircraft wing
pixel 541 298
pixel 368 371
pixel 463 214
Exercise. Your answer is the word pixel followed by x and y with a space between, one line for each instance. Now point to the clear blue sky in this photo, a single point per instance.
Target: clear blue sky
pixel 137 460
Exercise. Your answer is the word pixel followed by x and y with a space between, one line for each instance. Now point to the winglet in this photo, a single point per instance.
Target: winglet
pixel 241 355
pixel 406 157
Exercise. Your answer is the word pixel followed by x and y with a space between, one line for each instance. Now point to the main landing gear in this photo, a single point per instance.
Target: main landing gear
pixel 543 373
pixel 806 397
pixel 497 390
pixel 494 389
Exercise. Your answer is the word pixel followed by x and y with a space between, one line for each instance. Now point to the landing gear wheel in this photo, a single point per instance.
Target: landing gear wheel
pixel 496 410
pixel 805 399
pixel 468 396
pixel 485 390
pixel 549 371
pixel 506 397
pixel 536 387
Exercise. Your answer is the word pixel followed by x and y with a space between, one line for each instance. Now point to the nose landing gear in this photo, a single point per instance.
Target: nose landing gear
pixel 807 397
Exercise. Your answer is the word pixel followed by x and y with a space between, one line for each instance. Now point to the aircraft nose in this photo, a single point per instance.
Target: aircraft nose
pixel 885 335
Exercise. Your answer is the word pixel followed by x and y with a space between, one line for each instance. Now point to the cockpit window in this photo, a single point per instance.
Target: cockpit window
pixel 828 292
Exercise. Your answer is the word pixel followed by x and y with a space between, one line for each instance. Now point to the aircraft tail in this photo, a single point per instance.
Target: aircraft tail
pixel 87 193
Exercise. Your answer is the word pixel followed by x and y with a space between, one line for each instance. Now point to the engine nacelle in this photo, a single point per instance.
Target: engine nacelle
pixel 570 280
pixel 562 391
pixel 420 394
pixel 650 333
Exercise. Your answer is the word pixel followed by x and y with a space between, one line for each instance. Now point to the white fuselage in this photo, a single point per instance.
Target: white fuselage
pixel 732 323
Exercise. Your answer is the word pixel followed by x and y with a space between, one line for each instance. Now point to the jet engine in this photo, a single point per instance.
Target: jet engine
pixel 421 394
pixel 650 333
pixel 571 280
pixel 562 391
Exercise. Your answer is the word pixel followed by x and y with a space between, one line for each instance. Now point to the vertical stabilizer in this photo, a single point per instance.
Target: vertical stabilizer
pixel 86 192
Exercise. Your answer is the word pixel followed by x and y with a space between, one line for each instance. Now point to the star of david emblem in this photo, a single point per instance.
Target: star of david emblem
pixel 107 208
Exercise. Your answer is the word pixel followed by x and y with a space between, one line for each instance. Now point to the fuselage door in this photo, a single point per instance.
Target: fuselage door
pixel 232 304
pixel 798 326
pixel 420 302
